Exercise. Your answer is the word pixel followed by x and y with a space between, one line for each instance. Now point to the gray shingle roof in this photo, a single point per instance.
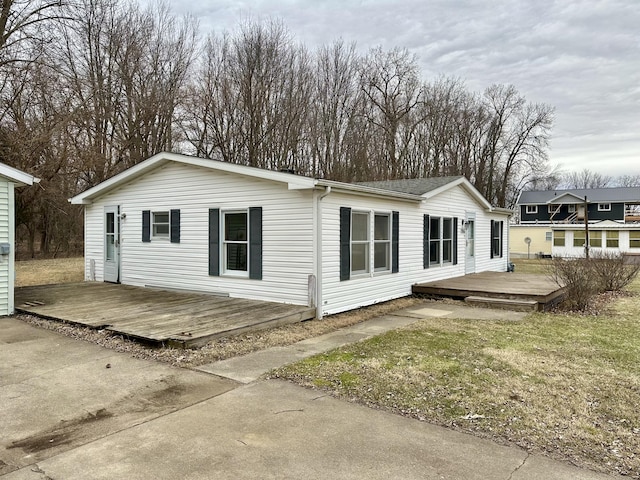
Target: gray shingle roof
pixel 600 195
pixel 414 186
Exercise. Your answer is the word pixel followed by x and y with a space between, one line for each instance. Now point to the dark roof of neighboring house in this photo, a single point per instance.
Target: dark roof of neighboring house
pixel 414 186
pixel 600 195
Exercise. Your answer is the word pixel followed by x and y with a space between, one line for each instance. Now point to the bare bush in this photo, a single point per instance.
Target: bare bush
pixel 576 276
pixel 611 270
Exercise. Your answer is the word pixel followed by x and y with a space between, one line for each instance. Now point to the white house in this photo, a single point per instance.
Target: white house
pixel 607 236
pixel 181 222
pixel 10 178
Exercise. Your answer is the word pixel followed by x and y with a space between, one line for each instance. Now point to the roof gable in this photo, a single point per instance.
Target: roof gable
pixel 18 176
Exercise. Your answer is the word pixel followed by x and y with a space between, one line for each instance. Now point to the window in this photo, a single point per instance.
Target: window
pixel 235 242
pixel 531 209
pixel 359 243
pixel 441 239
pixel 579 238
pixel 634 239
pixel 604 207
pixel 595 238
pixel 553 208
pixel 160 224
pixel 572 208
pixel 368 242
pixel 382 242
pixel 558 238
pixel 613 238
pixel 547 236
pixel 496 238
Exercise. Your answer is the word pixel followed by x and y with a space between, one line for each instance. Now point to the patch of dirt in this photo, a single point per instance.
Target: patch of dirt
pixel 62 434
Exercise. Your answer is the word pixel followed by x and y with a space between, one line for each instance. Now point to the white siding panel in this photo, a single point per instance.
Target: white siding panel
pixel 5 236
pixel 287 233
pixel 339 295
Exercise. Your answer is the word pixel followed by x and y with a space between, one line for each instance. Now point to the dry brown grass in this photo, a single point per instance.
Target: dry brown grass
pixel 44 272
pixel 566 385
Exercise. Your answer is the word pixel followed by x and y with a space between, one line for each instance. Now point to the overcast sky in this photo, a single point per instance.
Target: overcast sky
pixel 580 56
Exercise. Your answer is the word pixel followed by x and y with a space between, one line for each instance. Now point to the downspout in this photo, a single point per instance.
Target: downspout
pixel 319 301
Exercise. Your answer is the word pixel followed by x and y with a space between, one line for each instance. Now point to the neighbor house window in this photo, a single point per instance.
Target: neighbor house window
pixel 160 224
pixel 359 243
pixel 381 242
pixel 634 239
pixel 604 207
pixel 613 239
pixel 572 208
pixel 595 238
pixel 235 242
pixel 531 209
pixel 558 238
pixel 440 240
pixel 547 236
pixel 552 208
pixel 579 238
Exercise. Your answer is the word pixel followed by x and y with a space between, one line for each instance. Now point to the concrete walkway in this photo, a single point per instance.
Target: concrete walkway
pixel 65 415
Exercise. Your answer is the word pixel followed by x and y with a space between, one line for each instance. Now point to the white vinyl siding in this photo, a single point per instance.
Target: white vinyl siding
pixel 6 235
pixel 339 295
pixel 287 233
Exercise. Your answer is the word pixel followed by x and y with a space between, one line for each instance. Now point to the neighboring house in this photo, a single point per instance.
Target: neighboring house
pixel 9 179
pixel 182 222
pixel 570 240
pixel 540 210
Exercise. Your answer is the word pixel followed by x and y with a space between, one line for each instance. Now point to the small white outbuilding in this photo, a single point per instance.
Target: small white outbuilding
pixel 10 178
pixel 187 223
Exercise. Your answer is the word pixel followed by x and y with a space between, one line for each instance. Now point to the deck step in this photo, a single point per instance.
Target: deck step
pixel 503 303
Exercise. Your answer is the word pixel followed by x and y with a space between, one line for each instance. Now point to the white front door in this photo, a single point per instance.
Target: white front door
pixel 112 244
pixel 470 242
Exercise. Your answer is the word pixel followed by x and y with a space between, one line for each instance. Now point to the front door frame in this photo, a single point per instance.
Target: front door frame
pixel 111 241
pixel 470 243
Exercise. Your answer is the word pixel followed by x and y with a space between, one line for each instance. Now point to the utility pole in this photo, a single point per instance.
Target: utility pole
pixel 586 228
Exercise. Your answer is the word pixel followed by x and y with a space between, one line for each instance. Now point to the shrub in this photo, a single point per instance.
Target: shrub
pixel 576 276
pixel 583 278
pixel 612 271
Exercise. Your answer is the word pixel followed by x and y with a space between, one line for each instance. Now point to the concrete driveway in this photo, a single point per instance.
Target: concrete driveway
pixel 64 415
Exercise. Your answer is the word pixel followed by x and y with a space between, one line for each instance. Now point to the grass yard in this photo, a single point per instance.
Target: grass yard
pixel 565 385
pixel 54 270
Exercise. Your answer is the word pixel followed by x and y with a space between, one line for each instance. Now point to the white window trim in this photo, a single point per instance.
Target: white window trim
pixel 441 241
pixel 388 242
pixel 531 209
pixel 224 242
pixel 551 208
pixel 604 207
pixel 572 208
pixel 633 240
pixel 371 244
pixel 498 226
pixel 154 234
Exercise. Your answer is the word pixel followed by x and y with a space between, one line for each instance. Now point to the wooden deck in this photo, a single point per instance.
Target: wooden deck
pixel 501 285
pixel 155 316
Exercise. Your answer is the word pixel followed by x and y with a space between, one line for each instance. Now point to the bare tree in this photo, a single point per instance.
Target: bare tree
pixel 627 180
pixel 586 179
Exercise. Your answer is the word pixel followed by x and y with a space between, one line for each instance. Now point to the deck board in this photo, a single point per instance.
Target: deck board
pixel 514 286
pixel 177 318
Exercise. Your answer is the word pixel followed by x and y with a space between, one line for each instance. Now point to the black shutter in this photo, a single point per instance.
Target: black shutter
pixel 491 238
pixel 214 242
pixel 501 225
pixel 345 240
pixel 174 219
pixel 425 240
pixel 455 240
pixel 255 243
pixel 395 246
pixel 146 225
